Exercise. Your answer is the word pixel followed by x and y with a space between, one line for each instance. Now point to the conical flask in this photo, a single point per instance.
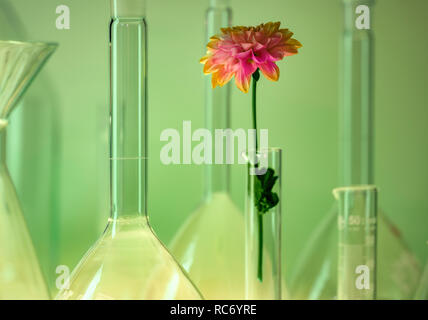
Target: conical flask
pixel 398 271
pixel 422 292
pixel 210 245
pixel 128 261
pixel 20 275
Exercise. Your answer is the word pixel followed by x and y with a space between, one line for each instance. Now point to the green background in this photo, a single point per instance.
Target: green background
pixel 58 139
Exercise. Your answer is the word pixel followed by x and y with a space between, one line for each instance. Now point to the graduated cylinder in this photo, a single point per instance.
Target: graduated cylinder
pixel 357 224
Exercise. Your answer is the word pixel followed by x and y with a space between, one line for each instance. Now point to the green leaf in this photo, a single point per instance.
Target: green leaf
pixel 264 198
pixel 256 75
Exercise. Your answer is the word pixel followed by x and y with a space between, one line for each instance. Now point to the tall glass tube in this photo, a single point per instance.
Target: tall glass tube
pixel 316 273
pixel 357 105
pixel 399 268
pixel 210 244
pixel 128 261
pixel 217 102
pixel 357 223
pixel 128 154
pixel 263 249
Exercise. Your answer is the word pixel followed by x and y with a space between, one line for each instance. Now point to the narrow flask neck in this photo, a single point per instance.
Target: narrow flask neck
pixel 356 14
pixel 217 105
pixel 357 105
pixel 128 147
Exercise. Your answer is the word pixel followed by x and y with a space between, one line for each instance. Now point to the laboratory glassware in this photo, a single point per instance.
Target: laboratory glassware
pixel 357 226
pixel 40 205
pixel 210 244
pixel 422 292
pixel 128 261
pixel 263 247
pixel 316 271
pixel 20 273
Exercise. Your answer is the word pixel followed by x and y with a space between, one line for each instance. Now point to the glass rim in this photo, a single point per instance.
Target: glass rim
pixel 264 150
pixel 252 157
pixel 356 188
pixel 30 43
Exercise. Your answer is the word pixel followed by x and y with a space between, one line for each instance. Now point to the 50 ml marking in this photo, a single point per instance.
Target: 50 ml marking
pixel 356 221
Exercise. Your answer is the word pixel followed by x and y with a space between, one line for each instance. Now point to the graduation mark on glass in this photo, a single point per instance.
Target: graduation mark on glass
pixel 128 261
pixel 316 272
pixel 357 225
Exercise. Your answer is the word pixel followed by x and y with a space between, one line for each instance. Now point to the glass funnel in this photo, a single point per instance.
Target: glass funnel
pixel 315 275
pixel 210 245
pixel 20 274
pixel 128 261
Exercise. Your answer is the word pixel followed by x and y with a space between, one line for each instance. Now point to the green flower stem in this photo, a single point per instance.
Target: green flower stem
pixel 256 77
pixel 260 260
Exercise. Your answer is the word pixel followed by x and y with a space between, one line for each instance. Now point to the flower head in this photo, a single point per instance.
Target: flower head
pixel 240 51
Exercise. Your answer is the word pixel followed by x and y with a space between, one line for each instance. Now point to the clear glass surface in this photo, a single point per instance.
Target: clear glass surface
pixel 19 64
pixel 357 225
pixel 316 271
pixel 128 261
pixel 20 274
pixel 315 276
pixel 210 244
pixel 422 292
pixel 263 248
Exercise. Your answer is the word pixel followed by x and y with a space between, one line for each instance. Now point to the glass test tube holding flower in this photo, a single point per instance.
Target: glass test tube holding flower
pixel 242 52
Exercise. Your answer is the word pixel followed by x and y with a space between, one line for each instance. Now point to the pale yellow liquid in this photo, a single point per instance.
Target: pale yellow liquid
pixel 20 275
pixel 128 262
pixel 211 247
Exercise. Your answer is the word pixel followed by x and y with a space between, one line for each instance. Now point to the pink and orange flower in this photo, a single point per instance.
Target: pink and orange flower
pixel 240 51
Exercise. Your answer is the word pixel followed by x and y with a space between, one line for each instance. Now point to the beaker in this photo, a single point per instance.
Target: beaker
pixel 357 225
pixel 316 270
pixel 20 274
pixel 128 261
pixel 210 244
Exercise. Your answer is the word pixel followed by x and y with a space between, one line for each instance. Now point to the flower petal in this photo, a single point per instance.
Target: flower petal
pixel 239 51
pixel 243 81
pixel 270 70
